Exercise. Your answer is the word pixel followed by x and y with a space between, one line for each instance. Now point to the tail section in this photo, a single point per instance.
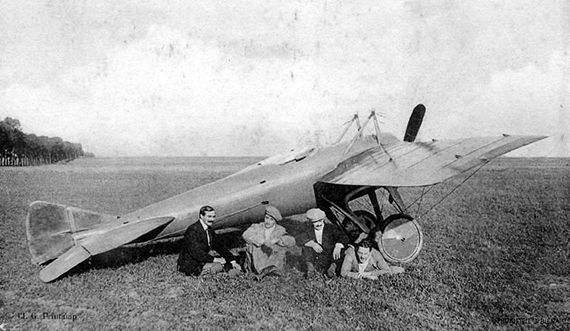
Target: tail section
pixel 50 228
pixel 71 235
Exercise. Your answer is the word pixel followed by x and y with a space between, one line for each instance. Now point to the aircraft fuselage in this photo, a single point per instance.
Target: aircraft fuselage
pixel 286 184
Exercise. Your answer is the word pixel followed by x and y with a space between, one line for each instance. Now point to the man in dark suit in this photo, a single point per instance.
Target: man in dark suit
pixel 322 245
pixel 199 239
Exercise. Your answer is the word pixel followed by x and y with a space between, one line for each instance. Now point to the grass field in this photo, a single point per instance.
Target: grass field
pixel 495 257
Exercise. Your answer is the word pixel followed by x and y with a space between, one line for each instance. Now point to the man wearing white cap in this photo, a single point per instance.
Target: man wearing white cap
pixel 267 243
pixel 322 245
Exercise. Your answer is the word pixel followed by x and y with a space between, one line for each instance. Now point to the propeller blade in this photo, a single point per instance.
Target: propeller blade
pixel 414 123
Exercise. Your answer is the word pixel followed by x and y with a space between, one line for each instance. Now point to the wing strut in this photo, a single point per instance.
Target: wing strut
pixel 354 119
pixel 377 128
pixel 361 129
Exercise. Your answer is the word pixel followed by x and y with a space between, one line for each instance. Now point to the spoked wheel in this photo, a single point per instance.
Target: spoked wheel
pixel 401 238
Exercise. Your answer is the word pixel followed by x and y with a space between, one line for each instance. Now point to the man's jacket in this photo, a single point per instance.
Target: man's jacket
pixel 194 253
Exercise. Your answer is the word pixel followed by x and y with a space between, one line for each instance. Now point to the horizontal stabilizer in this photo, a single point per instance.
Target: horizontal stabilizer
pixel 64 263
pixel 421 163
pixel 99 240
pixel 122 235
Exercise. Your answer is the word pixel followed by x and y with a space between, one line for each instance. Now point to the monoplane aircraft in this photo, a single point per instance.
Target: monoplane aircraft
pixel 331 178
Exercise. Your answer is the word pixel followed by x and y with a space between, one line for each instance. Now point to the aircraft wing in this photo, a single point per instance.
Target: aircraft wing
pixel 421 163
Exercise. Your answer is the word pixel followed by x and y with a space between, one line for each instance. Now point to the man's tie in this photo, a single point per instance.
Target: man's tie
pixel 209 235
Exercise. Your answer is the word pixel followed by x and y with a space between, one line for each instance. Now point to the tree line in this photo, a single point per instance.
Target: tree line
pixel 20 149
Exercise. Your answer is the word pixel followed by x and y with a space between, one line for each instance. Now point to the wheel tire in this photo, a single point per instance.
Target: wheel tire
pixel 401 239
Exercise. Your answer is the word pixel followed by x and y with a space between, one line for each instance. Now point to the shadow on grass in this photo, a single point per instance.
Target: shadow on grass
pixel 137 253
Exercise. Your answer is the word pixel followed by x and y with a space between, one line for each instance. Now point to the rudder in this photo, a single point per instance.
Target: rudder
pixel 49 228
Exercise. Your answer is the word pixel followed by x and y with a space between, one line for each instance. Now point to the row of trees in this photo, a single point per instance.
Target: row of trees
pixel 20 149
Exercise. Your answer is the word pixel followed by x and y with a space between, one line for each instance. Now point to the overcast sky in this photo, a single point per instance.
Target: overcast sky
pixel 182 78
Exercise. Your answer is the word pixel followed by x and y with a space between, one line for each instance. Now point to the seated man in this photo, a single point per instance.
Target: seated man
pixel 267 243
pixel 199 239
pixel 321 245
pixel 363 261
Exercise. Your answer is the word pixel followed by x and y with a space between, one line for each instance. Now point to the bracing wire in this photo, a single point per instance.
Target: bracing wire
pixel 450 192
pixel 421 199
pixel 424 192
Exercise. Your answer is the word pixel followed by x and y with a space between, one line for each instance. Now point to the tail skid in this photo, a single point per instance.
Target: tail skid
pixel 71 235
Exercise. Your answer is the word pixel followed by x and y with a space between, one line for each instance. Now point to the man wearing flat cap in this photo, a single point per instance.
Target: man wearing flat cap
pixel 267 243
pixel 322 245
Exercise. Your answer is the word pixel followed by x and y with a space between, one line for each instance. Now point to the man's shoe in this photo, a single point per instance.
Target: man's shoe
pixel 331 272
pixel 266 271
pixel 234 272
pixel 311 274
pixel 311 271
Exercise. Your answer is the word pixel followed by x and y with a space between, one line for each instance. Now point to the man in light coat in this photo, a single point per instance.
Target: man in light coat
pixel 267 243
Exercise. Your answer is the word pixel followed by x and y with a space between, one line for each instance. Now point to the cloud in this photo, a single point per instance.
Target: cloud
pixel 531 100
pixel 172 93
pixel 203 79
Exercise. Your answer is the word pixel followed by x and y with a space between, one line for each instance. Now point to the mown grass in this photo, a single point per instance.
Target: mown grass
pixel 495 257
